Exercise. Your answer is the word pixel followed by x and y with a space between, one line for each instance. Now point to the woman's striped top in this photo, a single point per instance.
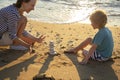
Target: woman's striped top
pixel 9 17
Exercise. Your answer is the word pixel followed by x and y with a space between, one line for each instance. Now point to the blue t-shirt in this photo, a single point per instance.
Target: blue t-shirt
pixel 104 41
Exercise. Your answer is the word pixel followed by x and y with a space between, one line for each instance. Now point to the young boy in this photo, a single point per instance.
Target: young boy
pixel 102 43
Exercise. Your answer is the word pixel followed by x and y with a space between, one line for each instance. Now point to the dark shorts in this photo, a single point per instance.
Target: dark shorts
pixel 96 56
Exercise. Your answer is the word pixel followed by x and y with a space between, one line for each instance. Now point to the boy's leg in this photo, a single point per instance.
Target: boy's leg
pixel 83 44
pixel 84 53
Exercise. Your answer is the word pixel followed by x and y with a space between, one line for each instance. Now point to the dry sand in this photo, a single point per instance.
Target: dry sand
pixel 20 65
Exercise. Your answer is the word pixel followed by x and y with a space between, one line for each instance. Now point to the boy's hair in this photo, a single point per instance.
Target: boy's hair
pixel 99 17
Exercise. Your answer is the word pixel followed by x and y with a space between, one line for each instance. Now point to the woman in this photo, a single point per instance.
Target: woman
pixel 13 23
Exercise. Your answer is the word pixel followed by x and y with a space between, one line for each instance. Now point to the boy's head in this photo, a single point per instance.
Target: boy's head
pixel 98 19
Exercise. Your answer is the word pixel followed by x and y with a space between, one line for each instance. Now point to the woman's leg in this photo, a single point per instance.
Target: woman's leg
pixel 21 27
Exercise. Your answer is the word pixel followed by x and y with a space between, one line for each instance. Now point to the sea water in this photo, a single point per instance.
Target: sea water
pixel 69 11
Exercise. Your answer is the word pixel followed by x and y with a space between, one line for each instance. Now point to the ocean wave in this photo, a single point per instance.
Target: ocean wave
pixel 114 15
pixel 67 11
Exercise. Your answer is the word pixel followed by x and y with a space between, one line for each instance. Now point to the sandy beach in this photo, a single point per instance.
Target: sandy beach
pixel 21 65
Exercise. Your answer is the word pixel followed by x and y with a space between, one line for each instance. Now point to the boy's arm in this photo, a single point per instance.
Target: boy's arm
pixel 90 53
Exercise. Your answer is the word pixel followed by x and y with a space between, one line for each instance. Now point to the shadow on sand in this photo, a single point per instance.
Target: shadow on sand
pixel 12 72
pixel 94 70
pixel 8 55
pixel 46 64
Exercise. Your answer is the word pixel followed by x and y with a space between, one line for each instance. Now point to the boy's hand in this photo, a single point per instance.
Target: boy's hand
pixel 84 61
pixel 40 39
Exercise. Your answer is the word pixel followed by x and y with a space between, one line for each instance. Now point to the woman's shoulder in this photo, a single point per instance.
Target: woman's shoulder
pixel 6 7
pixel 10 8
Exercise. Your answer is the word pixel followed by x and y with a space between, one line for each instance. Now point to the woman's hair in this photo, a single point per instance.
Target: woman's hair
pixel 99 17
pixel 19 3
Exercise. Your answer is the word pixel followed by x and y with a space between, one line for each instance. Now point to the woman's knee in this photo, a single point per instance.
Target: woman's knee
pixel 21 25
